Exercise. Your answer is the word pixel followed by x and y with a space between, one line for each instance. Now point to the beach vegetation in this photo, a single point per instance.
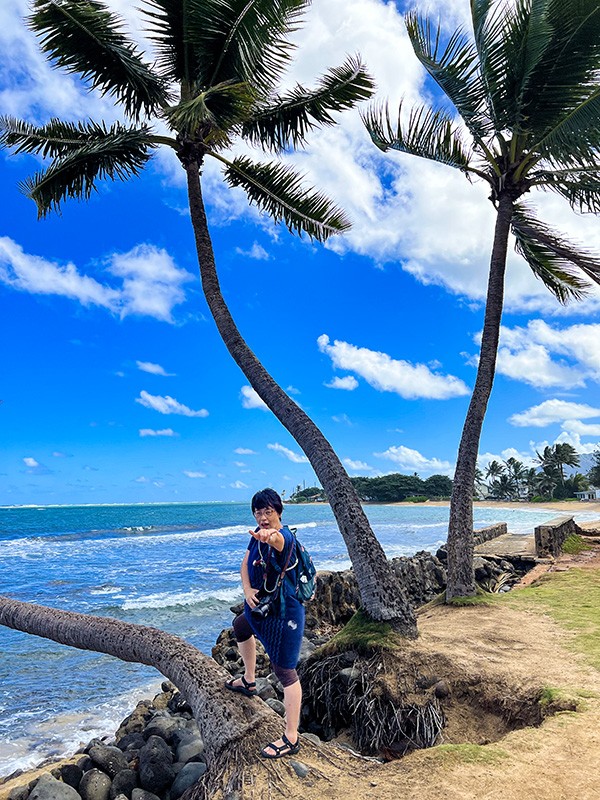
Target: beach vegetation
pixel 398 488
pixel 524 84
pixel 594 473
pixel 363 635
pixel 213 81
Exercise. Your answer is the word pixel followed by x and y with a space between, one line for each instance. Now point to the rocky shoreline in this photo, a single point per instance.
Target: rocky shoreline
pixel 157 751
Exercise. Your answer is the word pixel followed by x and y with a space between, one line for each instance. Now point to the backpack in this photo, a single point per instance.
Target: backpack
pixel 305 584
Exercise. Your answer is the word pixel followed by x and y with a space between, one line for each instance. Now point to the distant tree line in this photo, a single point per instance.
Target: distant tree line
pixel 392 488
pixel 512 480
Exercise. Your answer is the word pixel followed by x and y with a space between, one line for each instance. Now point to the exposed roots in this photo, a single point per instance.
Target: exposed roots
pixel 380 707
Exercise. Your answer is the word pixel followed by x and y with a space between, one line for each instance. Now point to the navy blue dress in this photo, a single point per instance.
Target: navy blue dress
pixel 280 636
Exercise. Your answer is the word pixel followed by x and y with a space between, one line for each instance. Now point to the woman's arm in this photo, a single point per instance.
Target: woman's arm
pixel 249 592
pixel 270 536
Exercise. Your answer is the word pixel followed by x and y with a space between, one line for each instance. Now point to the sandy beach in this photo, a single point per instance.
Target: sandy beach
pixel 560 506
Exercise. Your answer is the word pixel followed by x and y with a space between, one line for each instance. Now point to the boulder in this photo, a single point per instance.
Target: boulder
pixel 71 774
pixel 48 788
pixel 189 747
pixel 95 785
pixel 188 776
pixel 124 782
pixel 131 741
pixel 109 759
pixel 164 726
pixel 19 793
pixel 142 794
pixel 265 689
pixel 156 771
pixel 277 706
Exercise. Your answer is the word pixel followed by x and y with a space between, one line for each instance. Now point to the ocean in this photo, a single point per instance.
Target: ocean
pixel 172 566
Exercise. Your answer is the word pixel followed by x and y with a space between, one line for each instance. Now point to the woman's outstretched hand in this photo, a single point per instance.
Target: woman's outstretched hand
pixel 270 536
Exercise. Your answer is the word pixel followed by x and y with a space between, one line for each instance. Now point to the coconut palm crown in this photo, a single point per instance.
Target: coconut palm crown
pixel 214 81
pixel 525 84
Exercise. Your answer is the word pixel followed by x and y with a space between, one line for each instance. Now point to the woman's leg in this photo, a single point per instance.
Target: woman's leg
pixel 247 647
pixel 292 701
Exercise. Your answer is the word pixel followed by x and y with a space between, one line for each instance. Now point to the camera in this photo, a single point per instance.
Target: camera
pixel 263 609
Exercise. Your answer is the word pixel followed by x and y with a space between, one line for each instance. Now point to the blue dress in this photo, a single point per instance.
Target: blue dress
pixel 281 636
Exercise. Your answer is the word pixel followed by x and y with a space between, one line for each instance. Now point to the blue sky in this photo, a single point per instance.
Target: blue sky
pixel 115 384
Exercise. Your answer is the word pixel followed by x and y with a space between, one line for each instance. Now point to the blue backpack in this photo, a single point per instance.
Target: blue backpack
pixel 306 573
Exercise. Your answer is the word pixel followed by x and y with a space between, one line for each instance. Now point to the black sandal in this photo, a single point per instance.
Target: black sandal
pixel 248 689
pixel 289 748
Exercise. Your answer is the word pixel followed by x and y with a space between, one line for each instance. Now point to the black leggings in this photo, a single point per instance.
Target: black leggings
pixel 243 632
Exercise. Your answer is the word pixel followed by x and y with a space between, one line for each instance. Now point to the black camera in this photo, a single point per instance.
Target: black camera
pixel 263 609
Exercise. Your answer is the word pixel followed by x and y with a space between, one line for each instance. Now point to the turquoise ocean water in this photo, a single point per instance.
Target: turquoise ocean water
pixel 173 566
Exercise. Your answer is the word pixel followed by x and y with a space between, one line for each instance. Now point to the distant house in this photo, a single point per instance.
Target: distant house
pixel 589 494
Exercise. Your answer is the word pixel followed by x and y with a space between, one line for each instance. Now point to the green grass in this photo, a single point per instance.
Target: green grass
pixel 553 700
pixel 363 635
pixel 468 753
pixel 574 544
pixel 572 598
pixel 482 598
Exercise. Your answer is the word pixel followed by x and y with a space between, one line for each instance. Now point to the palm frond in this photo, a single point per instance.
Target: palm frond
pixel 84 37
pixel 120 154
pixel 553 259
pixel 252 43
pixel 575 138
pixel 278 190
pixel 580 187
pixel 287 119
pixel 566 74
pixel 215 110
pixel 55 138
pixel 455 69
pixel 427 133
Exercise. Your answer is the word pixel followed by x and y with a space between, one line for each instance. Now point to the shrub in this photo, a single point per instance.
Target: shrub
pixel 419 498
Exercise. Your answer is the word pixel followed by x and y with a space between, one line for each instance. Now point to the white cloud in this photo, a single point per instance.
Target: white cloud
pixel 30 462
pixel 244 451
pixel 238 485
pixel 257 252
pixel 544 355
pixel 150 281
pixel 412 460
pixel 386 374
pixel 348 382
pixel 163 432
pixel 142 479
pixel 153 369
pixel 239 464
pixel 168 405
pixel 250 399
pixel 342 419
pixel 574 439
pixel 357 466
pixel 194 474
pixel 292 390
pixel 575 427
pixel 529 459
pixel 285 451
pixel 58 454
pixel 552 411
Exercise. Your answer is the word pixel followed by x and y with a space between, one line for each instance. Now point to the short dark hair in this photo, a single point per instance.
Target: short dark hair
pixel 267 498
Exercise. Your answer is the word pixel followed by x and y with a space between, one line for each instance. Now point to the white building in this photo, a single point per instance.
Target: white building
pixel 590 494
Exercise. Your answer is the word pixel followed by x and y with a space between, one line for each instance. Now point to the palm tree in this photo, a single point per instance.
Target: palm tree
pixel 233 729
pixel 546 482
pixel 504 488
pixel 214 81
pixel 565 455
pixel 494 469
pixel 529 479
pixel 525 86
pixel 517 470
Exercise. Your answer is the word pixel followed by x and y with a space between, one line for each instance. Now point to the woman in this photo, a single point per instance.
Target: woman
pixel 272 549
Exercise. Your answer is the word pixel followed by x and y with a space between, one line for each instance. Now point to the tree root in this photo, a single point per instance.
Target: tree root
pixel 384 716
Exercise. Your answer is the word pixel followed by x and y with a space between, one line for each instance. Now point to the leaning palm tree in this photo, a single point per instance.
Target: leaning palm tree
pixel 214 81
pixel 525 86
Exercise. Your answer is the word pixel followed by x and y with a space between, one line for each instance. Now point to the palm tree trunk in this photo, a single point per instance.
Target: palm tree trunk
pixel 382 598
pixel 222 717
pixel 461 577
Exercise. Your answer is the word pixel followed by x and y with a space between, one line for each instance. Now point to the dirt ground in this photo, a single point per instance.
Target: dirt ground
pixel 515 652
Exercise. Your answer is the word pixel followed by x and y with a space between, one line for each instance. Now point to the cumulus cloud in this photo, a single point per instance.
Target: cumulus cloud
pixel 348 382
pixel 250 399
pixel 285 451
pixel 544 355
pixel 238 485
pixel 34 467
pixel 357 466
pixel 153 369
pixel 527 458
pixel 194 474
pixel 168 405
pixel 412 460
pixel 163 432
pixel 150 281
pixel 386 374
pixel 553 411
pixel 244 451
pixel 256 252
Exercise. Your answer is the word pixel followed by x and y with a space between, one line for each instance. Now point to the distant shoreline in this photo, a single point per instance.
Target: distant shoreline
pixel 560 506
